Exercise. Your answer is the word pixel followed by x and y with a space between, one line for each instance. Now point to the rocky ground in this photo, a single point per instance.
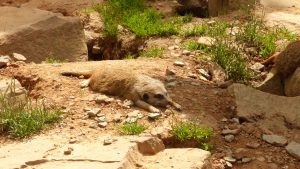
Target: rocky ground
pixel 251 129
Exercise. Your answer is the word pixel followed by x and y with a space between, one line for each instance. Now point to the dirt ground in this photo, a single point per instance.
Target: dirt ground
pixel 202 101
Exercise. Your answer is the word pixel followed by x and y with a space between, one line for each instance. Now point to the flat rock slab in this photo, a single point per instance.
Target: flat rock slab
pixel 124 152
pixel 38 34
pixel 293 148
pixel 275 140
pixel 255 105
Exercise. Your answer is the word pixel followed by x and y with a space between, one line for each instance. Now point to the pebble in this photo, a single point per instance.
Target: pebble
pixel 18 57
pixel 170 72
pixel 230 159
pixel 246 160
pixel 229 138
pixel 131 120
pixel 204 73
pixel 229 164
pixel 275 140
pixel 102 124
pixel 175 54
pixel 179 63
pixel 117 118
pixel 4 60
pixel 107 141
pixel 103 99
pixel 257 67
pixel 153 116
pixel 236 120
pixel 101 119
pixel 68 151
pixel 186 52
pixel 192 75
pixel 253 145
pixel 93 112
pixel 72 141
pixel 134 113
pixel 173 47
pixel 228 131
pixel 208 41
pixel 293 148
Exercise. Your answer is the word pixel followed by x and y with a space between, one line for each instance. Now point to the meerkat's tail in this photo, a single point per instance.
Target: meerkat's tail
pixel 85 74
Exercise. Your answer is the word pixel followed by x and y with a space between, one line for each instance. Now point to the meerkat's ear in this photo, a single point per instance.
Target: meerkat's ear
pixel 145 96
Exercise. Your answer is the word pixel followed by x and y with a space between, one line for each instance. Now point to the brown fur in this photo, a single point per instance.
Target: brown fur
pixel 143 90
pixel 287 61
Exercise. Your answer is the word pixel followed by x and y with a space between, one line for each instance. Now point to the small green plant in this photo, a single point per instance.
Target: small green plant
pixel 152 52
pixel 218 29
pixel 197 30
pixel 132 128
pixel 19 117
pixel 193 45
pixel 87 11
pixel 185 131
pixel 231 60
pixel 53 60
pixel 129 57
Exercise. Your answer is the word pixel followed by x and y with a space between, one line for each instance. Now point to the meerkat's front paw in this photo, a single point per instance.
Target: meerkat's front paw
pixel 154 110
pixel 178 107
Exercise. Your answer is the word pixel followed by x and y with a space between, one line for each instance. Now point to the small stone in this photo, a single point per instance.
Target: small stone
pixel 179 63
pixel 261 159
pixel 203 78
pixel 224 120
pixel 96 50
pixel 18 57
pixel 103 99
pixel 101 119
pixel 117 118
pixel 257 67
pixel 293 149
pixel 170 72
pixel 204 73
pixel 133 114
pixel 69 151
pixel 211 22
pixel 176 53
pixel 207 41
pixel 173 47
pixel 93 112
pixel 236 120
pixel 229 138
pixel 228 131
pixel 4 60
pixel 127 103
pixel 229 164
pixel 157 131
pixel 131 120
pixel 192 75
pixel 102 124
pixel 230 159
pixel 253 145
pixel 153 116
pixel 107 141
pixel 186 52
pixel 72 141
pixel 246 160
pixel 275 140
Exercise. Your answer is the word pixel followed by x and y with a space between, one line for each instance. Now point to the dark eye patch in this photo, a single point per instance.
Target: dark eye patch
pixel 159 96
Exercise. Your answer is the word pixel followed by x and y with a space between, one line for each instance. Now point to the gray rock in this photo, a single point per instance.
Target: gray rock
pixel 230 159
pixel 4 60
pixel 38 33
pixel 246 160
pixel 18 57
pixel 102 124
pixel 207 41
pixel 93 112
pixel 253 145
pixel 228 131
pixel 103 99
pixel 153 116
pixel 108 141
pixel 179 63
pixel 275 140
pixel 101 119
pixel 293 148
pixel 252 103
pixel 257 67
pixel 170 72
pixel 229 138
pixel 11 87
pixel 186 52
pixel 205 74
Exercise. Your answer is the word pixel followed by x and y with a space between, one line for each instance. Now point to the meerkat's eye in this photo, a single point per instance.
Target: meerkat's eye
pixel 159 96
pixel 145 96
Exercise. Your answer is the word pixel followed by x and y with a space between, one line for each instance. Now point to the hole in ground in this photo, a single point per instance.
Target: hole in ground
pixel 172 142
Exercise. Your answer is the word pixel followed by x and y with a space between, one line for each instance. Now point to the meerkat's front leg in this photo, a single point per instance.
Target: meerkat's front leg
pixel 146 106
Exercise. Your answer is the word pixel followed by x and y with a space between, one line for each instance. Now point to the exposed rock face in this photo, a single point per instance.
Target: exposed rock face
pixel 292 84
pixel 38 34
pixel 255 105
pixel 11 86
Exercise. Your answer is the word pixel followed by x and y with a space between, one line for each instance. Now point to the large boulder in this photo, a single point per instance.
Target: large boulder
pixel 292 84
pixel 255 105
pixel 38 34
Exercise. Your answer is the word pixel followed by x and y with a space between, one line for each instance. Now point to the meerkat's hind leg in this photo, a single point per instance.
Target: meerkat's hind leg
pixel 146 106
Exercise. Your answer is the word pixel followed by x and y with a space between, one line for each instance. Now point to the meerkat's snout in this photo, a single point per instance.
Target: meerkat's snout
pixel 160 99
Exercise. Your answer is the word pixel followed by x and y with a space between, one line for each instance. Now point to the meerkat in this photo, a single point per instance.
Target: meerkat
pixel 145 91
pixel 285 62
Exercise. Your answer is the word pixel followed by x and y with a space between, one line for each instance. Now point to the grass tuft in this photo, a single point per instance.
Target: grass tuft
pixel 152 52
pixel 132 128
pixel 185 131
pixel 20 117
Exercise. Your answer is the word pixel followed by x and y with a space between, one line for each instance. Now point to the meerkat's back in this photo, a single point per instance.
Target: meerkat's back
pixel 289 59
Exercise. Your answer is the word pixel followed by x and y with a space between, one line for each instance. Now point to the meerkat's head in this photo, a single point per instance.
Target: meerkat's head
pixel 154 92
